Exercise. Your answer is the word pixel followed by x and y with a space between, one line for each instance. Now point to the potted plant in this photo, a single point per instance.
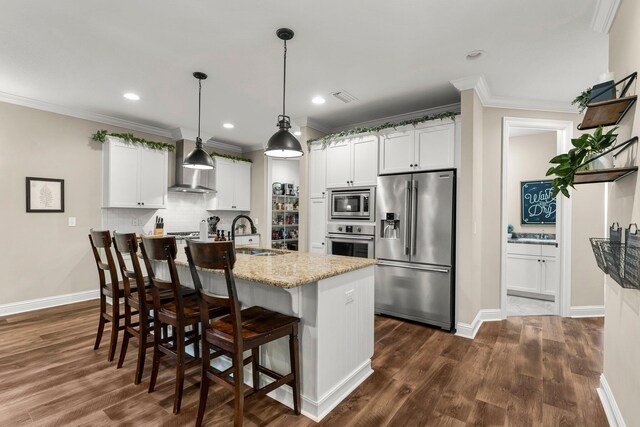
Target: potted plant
pixel 241 227
pixel 585 147
pixel 582 100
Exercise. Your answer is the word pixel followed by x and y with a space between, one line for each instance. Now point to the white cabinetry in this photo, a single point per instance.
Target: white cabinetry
pixel 352 162
pixel 133 176
pixel 317 171
pixel 532 268
pixel 317 225
pixel 429 147
pixel 232 184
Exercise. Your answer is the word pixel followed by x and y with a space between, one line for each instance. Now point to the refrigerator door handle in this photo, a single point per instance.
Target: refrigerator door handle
pixel 412 266
pixel 407 207
pixel 414 215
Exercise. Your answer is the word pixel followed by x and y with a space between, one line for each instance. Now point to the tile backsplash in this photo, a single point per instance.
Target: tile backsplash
pixel 183 213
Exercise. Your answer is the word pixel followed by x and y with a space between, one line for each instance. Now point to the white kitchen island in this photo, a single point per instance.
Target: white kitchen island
pixel 333 297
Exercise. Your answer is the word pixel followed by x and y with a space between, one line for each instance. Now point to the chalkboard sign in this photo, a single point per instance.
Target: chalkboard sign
pixel 538 207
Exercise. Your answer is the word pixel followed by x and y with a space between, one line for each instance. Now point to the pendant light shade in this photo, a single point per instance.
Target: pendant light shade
pixel 283 144
pixel 198 158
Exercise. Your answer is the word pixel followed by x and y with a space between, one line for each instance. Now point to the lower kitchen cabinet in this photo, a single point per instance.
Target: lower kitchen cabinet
pixel 532 268
pixel 250 240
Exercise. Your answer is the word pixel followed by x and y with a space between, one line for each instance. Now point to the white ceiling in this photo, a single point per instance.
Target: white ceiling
pixel 395 57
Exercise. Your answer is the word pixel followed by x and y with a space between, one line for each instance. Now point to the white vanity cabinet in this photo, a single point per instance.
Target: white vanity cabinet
pixel 427 147
pixel 133 176
pixel 352 162
pixel 232 184
pixel 532 268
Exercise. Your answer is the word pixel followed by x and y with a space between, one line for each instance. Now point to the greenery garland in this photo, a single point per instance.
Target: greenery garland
pixel 102 134
pixel 229 156
pixel 374 129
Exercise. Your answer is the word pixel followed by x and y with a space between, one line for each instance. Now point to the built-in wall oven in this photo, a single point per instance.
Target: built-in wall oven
pixel 352 204
pixel 350 240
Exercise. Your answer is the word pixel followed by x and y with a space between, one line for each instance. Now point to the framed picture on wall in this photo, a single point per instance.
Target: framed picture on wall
pixel 537 205
pixel 45 195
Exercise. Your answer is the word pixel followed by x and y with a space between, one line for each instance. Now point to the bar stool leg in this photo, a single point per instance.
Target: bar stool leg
pixel 295 368
pixel 238 380
pixel 101 323
pixel 180 351
pixel 204 393
pixel 255 353
pixel 115 326
pixel 142 347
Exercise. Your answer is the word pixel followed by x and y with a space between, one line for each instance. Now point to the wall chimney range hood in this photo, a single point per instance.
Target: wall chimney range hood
pixel 190 180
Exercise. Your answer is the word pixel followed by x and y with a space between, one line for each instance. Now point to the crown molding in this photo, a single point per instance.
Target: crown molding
pixel 224 146
pixel 254 147
pixel 604 15
pixel 479 84
pixel 309 122
pixel 85 115
pixel 400 117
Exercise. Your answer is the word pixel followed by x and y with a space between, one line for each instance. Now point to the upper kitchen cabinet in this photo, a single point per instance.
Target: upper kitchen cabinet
pixel 133 175
pixel 317 171
pixel 232 184
pixel 352 162
pixel 429 147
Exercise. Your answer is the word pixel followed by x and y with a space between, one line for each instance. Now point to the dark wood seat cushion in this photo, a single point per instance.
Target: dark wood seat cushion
pixel 257 323
pixel 191 309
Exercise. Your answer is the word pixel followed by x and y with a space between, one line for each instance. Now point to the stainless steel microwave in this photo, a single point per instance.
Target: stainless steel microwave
pixel 352 203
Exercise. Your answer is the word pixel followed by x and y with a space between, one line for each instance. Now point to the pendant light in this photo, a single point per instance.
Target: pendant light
pixel 283 143
pixel 198 158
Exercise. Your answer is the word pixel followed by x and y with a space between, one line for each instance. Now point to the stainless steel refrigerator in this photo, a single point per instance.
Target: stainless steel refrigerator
pixel 415 247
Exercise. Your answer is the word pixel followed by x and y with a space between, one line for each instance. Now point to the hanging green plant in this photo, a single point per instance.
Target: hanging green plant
pixel 229 156
pixel 568 164
pixel 582 100
pixel 374 129
pixel 102 134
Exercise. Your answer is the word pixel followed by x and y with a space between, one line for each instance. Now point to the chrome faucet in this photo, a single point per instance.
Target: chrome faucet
pixel 233 226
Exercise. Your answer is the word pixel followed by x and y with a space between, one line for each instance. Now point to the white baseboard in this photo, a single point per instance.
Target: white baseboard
pixel 40 303
pixel 467 330
pixel 614 416
pixel 587 311
pixel 316 411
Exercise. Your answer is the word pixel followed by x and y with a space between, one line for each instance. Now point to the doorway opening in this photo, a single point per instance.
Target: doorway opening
pixel 536 228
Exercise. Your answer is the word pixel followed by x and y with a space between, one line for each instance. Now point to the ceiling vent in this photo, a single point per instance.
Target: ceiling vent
pixel 344 96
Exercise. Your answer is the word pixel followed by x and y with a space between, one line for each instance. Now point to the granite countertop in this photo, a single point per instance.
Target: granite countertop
pixel 533 239
pixel 290 269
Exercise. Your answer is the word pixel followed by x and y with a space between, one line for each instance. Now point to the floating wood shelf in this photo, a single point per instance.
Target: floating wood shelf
pixel 602 175
pixel 606 113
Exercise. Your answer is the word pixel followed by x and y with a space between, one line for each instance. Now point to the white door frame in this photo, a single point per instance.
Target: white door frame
pixel 564 131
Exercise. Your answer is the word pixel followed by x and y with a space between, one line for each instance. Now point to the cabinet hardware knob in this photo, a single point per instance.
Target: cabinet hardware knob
pixel 322 243
pixel 142 203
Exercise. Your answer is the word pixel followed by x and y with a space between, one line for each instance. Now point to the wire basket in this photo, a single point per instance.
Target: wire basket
pixel 613 253
pixel 596 245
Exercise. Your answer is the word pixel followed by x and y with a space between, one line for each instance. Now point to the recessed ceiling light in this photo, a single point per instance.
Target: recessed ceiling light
pixel 132 96
pixel 475 54
pixel 228 126
pixel 318 100
pixel 297 133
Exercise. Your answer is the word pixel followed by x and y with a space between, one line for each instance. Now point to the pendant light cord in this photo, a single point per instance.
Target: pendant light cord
pixel 199 108
pixel 284 83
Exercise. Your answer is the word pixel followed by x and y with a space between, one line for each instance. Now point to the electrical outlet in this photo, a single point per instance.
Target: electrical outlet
pixel 134 222
pixel 348 296
pixel 72 221
pixel 255 221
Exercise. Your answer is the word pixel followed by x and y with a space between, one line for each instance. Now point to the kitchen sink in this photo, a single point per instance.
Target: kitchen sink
pixel 257 252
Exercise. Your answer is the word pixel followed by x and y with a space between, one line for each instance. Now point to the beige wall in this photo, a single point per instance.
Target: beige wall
pixel 622 308
pixel 482 282
pixel 44 257
pixel 529 157
pixel 469 218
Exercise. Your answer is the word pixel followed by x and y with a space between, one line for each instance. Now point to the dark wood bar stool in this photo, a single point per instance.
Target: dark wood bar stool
pixel 180 311
pixel 138 302
pixel 238 332
pixel 111 289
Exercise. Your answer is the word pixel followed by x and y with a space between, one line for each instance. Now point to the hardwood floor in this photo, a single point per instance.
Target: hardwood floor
pixel 524 371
